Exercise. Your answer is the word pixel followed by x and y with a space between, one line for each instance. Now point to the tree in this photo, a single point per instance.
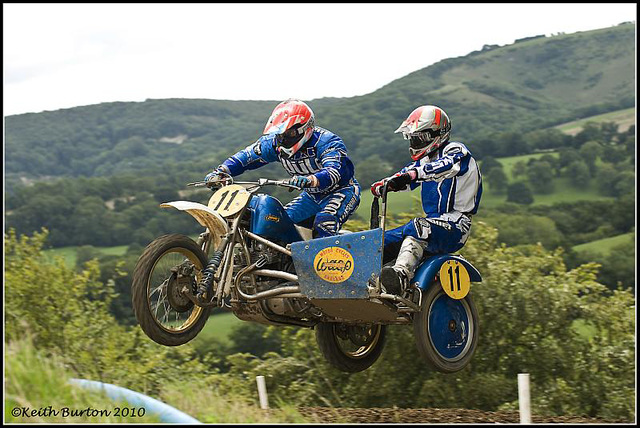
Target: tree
pixel 512 144
pixel 526 229
pixel 566 156
pixel 590 131
pixel 165 194
pixel 519 169
pixel 540 175
pixel 626 183
pixel 519 193
pixel 578 173
pixel 92 222
pixel 497 179
pixel 622 214
pixel 488 163
pixel 529 305
pixel 589 152
pixel 372 169
pixel 66 314
pixel 615 182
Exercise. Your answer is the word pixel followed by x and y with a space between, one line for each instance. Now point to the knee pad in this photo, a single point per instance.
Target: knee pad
pixel 422 228
pixel 325 225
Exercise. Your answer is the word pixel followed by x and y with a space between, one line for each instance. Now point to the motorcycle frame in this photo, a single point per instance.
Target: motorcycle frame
pixel 237 235
pixel 227 245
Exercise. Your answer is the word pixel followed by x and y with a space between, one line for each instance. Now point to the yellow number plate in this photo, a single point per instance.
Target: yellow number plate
pixel 229 200
pixel 455 279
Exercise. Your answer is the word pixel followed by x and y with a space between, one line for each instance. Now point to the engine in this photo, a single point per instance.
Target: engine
pixel 272 309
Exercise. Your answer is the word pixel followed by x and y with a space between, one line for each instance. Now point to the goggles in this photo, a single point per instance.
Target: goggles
pixel 290 137
pixel 419 140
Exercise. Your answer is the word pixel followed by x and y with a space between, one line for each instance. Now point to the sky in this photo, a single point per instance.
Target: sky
pixel 66 55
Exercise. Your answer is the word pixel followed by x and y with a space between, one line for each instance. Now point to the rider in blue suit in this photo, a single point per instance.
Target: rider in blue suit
pixel 316 159
pixel 451 189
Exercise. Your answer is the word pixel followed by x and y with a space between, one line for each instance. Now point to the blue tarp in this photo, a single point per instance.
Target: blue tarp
pixel 165 412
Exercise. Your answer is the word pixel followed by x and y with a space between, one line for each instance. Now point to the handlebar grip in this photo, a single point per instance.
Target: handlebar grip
pixel 284 183
pixel 384 192
pixel 375 214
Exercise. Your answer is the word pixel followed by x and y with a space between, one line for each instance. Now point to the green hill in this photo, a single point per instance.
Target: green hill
pixel 603 246
pixel 622 118
pixel 529 85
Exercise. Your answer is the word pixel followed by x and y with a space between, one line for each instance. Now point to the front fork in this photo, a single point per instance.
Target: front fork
pixel 222 254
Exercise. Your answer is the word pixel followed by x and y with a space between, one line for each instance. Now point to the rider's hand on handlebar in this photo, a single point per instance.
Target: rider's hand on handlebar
pixel 302 181
pixel 216 177
pixel 399 181
pixel 376 188
pixel 396 182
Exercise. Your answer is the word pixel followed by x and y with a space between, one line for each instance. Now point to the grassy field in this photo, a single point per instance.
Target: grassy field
pixel 396 203
pixel 218 327
pixel 563 192
pixel 604 246
pixel 69 254
pixel 38 381
pixel 509 163
pixel 623 118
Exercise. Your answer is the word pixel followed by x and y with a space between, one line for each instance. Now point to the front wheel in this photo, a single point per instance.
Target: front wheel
pixel 166 266
pixel 351 348
pixel 446 330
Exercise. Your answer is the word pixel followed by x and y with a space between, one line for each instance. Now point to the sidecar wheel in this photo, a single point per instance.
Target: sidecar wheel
pixel 446 330
pixel 351 348
pixel 164 313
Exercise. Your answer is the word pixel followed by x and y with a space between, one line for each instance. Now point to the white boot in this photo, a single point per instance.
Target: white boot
pixel 396 279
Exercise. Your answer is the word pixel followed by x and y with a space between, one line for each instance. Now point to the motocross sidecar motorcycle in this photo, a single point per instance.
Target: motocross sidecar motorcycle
pixel 252 259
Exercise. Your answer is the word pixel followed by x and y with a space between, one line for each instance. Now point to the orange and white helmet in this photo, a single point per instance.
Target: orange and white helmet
pixel 427 128
pixel 292 122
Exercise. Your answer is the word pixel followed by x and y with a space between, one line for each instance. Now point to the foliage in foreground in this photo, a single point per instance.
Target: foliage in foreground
pixel 529 304
pixel 36 382
pixel 72 334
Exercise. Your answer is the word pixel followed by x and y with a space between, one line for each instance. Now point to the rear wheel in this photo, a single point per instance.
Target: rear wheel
pixel 446 330
pixel 351 348
pixel 166 266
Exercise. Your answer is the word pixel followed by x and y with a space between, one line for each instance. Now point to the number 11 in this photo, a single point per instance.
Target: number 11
pixel 457 275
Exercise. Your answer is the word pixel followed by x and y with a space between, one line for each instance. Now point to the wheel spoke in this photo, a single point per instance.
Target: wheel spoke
pixel 159 287
pixel 168 316
pixel 359 341
pixel 160 296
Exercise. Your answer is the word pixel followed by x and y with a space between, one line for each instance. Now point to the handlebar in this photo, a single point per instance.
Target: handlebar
pixel 378 219
pixel 260 183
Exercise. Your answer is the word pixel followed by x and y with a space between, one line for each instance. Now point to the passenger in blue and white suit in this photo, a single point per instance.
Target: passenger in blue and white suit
pixel 316 159
pixel 451 190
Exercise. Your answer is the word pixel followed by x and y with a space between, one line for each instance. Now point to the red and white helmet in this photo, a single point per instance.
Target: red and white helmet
pixel 427 128
pixel 292 122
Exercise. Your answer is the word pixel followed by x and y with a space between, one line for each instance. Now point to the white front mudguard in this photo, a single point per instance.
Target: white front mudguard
pixel 205 216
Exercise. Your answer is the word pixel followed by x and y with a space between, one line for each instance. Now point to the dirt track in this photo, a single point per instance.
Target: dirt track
pixel 433 416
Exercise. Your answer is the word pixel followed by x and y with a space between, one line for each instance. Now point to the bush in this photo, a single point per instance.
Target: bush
pixel 528 303
pixel 519 193
pixel 68 314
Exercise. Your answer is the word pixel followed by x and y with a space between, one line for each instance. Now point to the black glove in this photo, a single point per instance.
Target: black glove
pixel 399 182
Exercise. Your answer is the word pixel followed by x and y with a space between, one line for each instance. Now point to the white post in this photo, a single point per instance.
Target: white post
pixel 524 398
pixel 262 392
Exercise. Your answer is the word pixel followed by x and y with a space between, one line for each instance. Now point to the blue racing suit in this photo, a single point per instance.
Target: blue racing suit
pixel 451 191
pixel 337 195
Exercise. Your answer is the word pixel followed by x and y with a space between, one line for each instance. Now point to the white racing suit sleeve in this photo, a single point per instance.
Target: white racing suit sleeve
pixel 447 166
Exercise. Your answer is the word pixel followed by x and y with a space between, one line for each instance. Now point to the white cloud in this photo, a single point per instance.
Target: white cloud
pixel 65 55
